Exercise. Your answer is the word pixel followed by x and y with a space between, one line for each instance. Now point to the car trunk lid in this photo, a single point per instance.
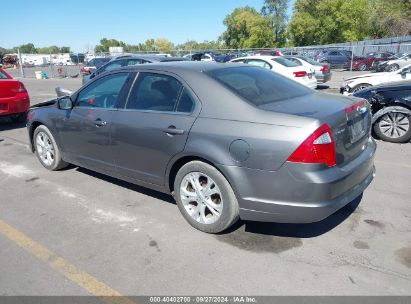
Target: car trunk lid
pixel 349 119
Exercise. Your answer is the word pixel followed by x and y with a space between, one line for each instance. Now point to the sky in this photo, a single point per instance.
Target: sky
pixel 81 24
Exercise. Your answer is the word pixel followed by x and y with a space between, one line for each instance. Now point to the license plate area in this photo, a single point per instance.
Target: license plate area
pixel 358 127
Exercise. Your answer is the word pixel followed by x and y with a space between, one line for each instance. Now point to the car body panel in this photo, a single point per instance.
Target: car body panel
pixel 14 98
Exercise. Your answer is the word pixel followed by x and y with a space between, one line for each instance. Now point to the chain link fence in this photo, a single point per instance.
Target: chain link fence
pixel 361 55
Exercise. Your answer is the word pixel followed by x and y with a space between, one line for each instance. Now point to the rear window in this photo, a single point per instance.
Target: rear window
pixel 3 76
pixel 257 85
pixel 285 62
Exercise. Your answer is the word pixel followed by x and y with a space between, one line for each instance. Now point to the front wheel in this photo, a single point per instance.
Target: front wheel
pixel 394 127
pixel 360 87
pixel 362 67
pixel 47 150
pixel 393 67
pixel 205 197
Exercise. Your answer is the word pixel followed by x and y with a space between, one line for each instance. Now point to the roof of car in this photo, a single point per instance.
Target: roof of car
pixel 148 57
pixel 193 66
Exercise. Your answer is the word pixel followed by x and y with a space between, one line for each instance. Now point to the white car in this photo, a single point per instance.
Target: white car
pixel 322 71
pixel 396 64
pixel 282 66
pixel 357 83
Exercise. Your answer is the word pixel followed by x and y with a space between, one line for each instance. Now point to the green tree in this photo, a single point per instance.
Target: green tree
pixel 331 21
pixel 276 12
pixel 27 48
pixel 163 45
pixel 105 44
pixel 246 28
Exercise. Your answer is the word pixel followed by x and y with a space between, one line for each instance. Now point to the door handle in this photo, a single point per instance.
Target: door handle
pixel 100 123
pixel 172 130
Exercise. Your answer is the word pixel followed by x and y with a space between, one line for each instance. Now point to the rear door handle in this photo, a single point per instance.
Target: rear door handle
pixel 172 130
pixel 100 123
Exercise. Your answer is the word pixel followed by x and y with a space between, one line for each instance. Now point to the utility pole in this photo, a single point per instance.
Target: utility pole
pixel 20 63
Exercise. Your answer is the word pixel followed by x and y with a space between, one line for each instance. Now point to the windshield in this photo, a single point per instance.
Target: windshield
pixel 258 85
pixel 285 62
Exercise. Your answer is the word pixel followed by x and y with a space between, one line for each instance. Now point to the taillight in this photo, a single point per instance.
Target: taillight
pixel 324 68
pixel 317 148
pixel 20 89
pixel 354 106
pixel 300 74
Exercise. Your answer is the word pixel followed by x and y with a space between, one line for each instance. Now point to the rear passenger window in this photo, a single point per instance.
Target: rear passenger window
pixel 154 92
pixel 186 102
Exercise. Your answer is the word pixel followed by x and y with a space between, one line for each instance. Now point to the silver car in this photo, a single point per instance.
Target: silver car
pixel 227 141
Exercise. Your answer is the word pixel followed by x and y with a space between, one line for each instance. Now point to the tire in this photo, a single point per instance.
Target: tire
pixel 393 67
pixel 386 130
pixel 362 67
pixel 19 118
pixel 47 150
pixel 360 87
pixel 195 203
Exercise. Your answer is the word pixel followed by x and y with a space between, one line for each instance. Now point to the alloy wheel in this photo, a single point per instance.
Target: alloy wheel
pixel 45 149
pixel 394 125
pixel 201 197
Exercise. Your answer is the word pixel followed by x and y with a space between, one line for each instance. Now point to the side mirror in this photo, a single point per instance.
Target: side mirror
pixel 404 71
pixel 65 103
pixel 62 92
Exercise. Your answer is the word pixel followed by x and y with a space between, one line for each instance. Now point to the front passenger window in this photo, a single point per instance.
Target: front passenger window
pixel 102 93
pixel 154 92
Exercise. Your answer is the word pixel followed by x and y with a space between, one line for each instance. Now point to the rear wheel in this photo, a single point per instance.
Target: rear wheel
pixel 205 198
pixel 47 150
pixel 360 87
pixel 394 127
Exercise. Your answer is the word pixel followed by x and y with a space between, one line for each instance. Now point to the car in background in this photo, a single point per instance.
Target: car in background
pixel 228 141
pixel 128 60
pixel 322 71
pixel 335 58
pixel 201 56
pixel 368 62
pixel 93 65
pixel 224 57
pixel 14 99
pixel 267 53
pixel 358 83
pixel 283 66
pixel 380 66
pixel 391 110
pixel 397 63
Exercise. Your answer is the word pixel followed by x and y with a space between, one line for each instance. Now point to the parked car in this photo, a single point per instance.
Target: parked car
pixel 381 66
pixel 333 57
pixel 396 64
pixel 273 150
pixel 223 57
pixel 128 61
pixel 391 110
pixel 200 57
pixel 283 66
pixel 267 53
pixel 358 83
pixel 14 99
pixel 368 62
pixel 93 65
pixel 322 71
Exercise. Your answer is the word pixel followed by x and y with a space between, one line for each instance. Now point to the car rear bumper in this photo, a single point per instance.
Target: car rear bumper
pixel 13 105
pixel 323 78
pixel 295 195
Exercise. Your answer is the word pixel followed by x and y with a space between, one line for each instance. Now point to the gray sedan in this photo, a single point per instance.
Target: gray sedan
pixel 227 141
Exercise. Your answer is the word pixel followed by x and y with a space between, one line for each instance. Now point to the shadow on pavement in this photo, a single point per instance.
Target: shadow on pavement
pixel 146 191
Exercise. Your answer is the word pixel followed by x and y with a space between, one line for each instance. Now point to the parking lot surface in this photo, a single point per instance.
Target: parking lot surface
pixel 76 232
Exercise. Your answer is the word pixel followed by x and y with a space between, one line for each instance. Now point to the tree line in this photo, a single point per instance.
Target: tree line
pixel 312 22
pixel 29 48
